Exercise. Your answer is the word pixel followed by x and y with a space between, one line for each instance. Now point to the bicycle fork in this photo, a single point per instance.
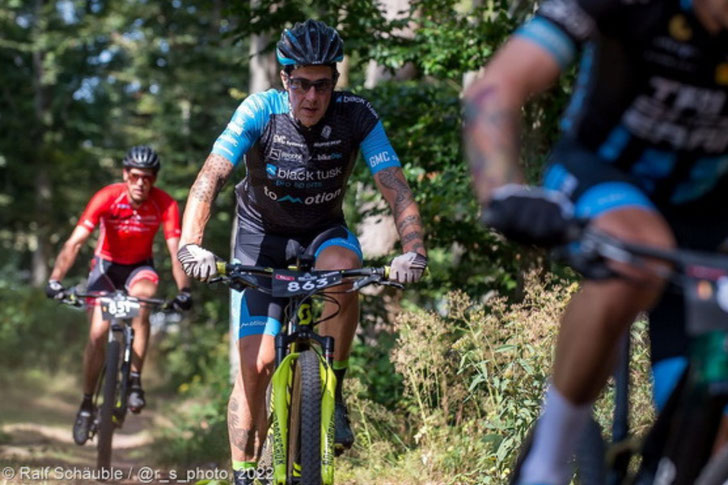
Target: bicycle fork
pixel 282 383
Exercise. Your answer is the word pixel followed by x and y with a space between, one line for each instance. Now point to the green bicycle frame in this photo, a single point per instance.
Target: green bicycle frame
pixel 282 384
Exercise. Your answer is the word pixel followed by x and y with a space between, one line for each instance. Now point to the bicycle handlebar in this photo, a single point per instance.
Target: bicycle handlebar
pixel 74 297
pixel 595 246
pixel 236 274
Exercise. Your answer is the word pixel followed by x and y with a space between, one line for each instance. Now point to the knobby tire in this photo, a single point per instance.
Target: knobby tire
pixel 305 418
pixel 106 412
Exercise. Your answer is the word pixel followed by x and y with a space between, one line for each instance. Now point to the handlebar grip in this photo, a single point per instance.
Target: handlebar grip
pixel 386 272
pixel 221 267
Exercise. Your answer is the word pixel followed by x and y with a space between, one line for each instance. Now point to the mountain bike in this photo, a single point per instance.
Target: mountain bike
pixel 303 382
pixel 112 389
pixel 678 448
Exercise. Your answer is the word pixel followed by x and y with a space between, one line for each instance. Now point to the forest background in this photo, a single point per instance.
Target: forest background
pixel 446 376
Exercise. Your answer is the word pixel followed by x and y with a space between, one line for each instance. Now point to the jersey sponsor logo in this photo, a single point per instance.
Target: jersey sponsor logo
pixel 329 156
pixel 380 158
pixel 301 174
pixel 283 140
pixel 320 144
pixel 358 100
pixel 569 15
pixel 320 198
pixel 277 154
pixel 679 28
pixel 684 116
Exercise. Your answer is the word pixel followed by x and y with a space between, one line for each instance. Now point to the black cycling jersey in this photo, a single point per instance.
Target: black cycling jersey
pixel 296 176
pixel 650 97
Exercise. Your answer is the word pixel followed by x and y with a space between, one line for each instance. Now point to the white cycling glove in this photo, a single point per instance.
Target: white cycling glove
pixel 198 262
pixel 407 267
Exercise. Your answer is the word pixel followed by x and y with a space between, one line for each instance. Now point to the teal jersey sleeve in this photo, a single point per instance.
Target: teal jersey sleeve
pixel 377 150
pixel 248 122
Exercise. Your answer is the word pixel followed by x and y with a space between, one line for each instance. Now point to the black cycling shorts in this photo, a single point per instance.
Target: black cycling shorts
pixel 109 276
pixel 257 312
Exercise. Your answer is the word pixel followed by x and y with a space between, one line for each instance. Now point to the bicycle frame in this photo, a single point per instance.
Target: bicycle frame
pixel 296 337
pixel 680 442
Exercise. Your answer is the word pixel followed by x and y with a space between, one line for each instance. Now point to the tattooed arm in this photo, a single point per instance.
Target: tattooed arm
pixel 396 191
pixel 493 111
pixel 212 177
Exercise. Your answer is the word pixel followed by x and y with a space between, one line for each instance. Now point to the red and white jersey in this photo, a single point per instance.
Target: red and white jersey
pixel 126 233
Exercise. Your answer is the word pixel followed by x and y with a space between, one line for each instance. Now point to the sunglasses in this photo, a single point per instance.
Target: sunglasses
pixel 301 84
pixel 145 178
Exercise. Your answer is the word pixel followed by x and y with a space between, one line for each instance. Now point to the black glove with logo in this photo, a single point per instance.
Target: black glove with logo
pixel 183 301
pixel 530 215
pixel 55 290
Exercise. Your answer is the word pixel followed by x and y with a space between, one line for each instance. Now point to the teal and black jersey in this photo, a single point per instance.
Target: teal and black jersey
pixel 296 176
pixel 651 94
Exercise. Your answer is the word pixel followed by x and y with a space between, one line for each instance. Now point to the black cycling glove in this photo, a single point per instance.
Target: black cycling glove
pixel 530 215
pixel 183 301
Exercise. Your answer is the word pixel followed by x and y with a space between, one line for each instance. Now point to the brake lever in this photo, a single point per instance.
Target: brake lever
pixel 393 284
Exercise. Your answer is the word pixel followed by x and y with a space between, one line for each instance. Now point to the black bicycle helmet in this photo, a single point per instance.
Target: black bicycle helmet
pixel 310 43
pixel 141 157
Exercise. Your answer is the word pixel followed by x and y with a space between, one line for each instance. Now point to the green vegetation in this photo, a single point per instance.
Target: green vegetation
pixel 445 377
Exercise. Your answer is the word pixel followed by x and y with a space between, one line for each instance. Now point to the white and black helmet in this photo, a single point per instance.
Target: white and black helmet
pixel 310 43
pixel 141 156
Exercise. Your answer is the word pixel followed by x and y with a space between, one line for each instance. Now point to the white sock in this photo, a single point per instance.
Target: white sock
pixel 557 431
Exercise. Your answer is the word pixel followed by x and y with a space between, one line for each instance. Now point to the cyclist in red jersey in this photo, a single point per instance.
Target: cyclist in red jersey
pixel 128 214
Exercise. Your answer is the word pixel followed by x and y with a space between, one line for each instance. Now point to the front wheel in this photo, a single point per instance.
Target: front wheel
pixel 106 412
pixel 305 420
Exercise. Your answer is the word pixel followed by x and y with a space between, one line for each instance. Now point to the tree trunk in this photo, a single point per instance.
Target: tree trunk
pixel 393 10
pixel 43 187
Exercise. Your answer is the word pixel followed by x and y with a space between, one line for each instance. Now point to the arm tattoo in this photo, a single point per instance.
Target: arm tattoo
pixel 211 178
pixel 411 236
pixel 491 136
pixel 407 222
pixel 403 195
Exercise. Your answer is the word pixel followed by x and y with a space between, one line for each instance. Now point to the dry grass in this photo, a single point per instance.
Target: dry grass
pixel 473 378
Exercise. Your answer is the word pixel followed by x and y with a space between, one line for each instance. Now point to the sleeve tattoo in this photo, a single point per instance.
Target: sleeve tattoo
pixel 210 180
pixel 392 179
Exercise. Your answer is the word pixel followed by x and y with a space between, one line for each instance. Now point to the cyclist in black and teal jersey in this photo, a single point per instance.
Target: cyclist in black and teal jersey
pixel 300 145
pixel 644 155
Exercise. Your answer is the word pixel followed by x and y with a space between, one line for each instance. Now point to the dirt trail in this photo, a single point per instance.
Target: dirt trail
pixel 36 446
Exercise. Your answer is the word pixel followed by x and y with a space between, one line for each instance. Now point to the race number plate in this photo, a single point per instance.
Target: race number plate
pixel 124 308
pixel 292 283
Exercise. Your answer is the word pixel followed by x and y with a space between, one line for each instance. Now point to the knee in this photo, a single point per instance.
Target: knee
pixel 334 257
pixel 255 365
pixel 97 339
pixel 143 288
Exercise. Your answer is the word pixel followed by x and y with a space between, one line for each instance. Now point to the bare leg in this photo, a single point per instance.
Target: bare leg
pixel 591 327
pixel 247 414
pixel 93 356
pixel 143 288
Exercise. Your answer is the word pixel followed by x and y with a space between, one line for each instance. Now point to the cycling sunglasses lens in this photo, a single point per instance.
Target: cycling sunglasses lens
pixel 147 179
pixel 321 86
